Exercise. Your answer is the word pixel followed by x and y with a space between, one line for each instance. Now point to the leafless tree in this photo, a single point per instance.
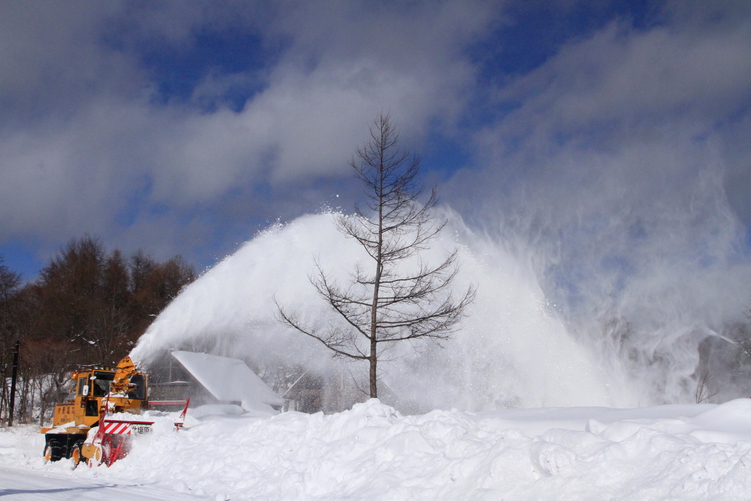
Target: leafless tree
pixel 87 306
pixel 10 283
pixel 703 392
pixel 390 302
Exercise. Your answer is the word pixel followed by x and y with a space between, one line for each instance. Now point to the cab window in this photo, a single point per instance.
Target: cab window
pixel 82 386
pixel 102 382
pixel 101 387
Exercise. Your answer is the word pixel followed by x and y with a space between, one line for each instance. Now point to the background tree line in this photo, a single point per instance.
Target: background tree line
pixel 88 306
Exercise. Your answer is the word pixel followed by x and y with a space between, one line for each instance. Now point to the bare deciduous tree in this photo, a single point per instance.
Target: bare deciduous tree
pixel 87 306
pixel 10 283
pixel 400 297
pixel 703 392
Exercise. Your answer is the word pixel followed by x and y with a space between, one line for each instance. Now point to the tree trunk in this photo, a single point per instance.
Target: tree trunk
pixel 14 377
pixel 376 289
pixel 373 370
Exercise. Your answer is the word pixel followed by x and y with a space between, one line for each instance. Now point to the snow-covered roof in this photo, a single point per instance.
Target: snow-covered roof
pixel 229 380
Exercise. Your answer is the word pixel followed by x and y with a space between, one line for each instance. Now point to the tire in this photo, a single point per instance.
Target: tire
pixel 54 449
pixel 75 456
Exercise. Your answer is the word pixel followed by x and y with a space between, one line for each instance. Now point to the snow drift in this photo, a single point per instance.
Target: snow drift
pixel 372 452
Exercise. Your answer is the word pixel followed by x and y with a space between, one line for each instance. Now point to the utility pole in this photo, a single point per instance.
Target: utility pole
pixel 3 395
pixel 13 378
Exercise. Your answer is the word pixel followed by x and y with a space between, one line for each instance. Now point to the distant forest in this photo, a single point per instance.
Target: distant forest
pixel 88 306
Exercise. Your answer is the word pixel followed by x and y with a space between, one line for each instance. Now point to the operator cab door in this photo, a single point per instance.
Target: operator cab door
pixel 84 392
pixel 83 386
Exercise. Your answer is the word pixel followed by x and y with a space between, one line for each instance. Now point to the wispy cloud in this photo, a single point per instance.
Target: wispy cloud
pixel 85 138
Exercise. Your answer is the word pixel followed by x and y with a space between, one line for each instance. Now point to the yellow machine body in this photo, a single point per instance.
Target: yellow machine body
pixel 123 389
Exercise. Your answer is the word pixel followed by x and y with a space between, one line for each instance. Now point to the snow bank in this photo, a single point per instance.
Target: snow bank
pixel 686 452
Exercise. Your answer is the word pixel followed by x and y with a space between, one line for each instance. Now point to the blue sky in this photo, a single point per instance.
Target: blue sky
pixel 613 131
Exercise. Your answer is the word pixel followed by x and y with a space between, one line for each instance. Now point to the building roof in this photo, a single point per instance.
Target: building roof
pixel 229 380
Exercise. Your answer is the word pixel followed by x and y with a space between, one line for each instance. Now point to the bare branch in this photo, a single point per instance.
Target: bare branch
pixel 388 304
pixel 334 341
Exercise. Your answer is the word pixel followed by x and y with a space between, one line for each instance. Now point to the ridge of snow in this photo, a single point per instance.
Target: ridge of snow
pixel 372 452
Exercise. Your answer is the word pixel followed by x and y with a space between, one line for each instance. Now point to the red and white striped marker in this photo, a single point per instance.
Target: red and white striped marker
pixel 117 428
pixel 126 427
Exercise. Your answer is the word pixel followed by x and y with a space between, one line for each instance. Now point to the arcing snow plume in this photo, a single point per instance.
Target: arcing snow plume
pixel 511 351
pixel 642 256
pixel 619 298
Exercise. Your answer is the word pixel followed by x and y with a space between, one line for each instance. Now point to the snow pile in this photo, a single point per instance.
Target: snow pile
pixel 691 452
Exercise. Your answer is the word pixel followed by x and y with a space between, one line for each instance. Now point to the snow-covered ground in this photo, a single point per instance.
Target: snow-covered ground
pixel 696 452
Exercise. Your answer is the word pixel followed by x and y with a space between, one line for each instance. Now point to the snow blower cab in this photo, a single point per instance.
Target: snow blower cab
pixel 90 424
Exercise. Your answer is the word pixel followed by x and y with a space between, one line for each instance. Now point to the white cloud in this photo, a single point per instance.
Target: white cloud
pixel 340 70
pixel 629 77
pixel 625 113
pixel 81 135
pixel 54 61
pixel 69 176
